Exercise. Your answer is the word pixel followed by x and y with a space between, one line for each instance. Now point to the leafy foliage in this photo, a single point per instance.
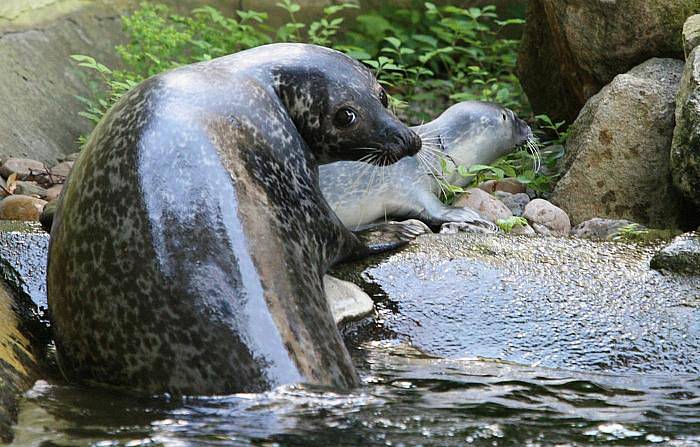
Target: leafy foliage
pixel 427 56
pixel 507 225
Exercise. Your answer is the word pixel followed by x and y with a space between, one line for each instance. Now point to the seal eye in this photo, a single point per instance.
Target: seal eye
pixel 384 98
pixel 504 116
pixel 345 117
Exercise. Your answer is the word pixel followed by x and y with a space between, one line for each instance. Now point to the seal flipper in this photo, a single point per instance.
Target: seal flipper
pixel 435 213
pixel 377 238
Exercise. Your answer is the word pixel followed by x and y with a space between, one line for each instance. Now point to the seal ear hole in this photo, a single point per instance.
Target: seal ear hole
pixel 345 117
pixel 384 98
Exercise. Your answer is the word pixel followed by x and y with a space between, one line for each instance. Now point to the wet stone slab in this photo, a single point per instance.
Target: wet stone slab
pixel 552 302
pixel 23 250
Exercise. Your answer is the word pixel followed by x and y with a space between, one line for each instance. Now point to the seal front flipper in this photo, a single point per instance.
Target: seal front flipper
pixel 378 238
pixel 435 213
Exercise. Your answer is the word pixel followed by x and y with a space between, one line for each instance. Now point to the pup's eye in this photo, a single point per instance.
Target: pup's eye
pixel 384 98
pixel 345 117
pixel 504 116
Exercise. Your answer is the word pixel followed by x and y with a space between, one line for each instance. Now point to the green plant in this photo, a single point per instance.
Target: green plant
pixel 507 225
pixel 630 233
pixel 557 129
pixel 426 55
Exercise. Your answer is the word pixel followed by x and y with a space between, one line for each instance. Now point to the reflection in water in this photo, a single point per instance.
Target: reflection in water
pixel 409 398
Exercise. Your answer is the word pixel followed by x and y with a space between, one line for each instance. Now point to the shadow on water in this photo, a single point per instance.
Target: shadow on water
pixel 593 348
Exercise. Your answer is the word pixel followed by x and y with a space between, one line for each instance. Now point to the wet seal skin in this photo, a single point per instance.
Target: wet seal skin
pixel 467 133
pixel 188 247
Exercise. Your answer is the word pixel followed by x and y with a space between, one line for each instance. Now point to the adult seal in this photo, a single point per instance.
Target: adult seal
pixel 467 133
pixel 188 249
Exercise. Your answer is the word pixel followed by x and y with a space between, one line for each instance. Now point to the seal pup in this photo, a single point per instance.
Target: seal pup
pixel 189 245
pixel 467 133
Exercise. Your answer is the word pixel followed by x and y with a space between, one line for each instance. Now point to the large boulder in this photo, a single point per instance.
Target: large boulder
pixel 38 80
pixel 685 151
pixel 572 48
pixel 618 150
pixel 691 33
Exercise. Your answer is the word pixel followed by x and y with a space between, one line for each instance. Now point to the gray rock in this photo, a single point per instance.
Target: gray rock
pixel 23 337
pixel 347 301
pixel 53 192
pixel 618 150
pixel 523 230
pixel 546 218
pixel 567 303
pixel 516 203
pixel 25 168
pixel 572 48
pixel 685 150
pixel 691 33
pixel 597 228
pixel 62 169
pixel 70 157
pixel 24 188
pixel 682 255
pixel 38 80
pixel 484 203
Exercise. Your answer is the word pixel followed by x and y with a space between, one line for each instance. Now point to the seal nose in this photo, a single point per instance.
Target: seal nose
pixel 524 131
pixel 413 143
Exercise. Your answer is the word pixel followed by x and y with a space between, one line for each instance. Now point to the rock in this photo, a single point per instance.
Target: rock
pixel 618 150
pixel 685 149
pixel 546 218
pixel 24 188
pixel 691 33
pixel 682 255
pixel 523 230
pixel 70 157
pixel 556 302
pixel 515 202
pixel 46 217
pixel 346 300
pixel 598 228
pixel 572 48
pixel 510 185
pixel 39 81
pixel 62 169
pixel 21 208
pixel 23 167
pixel 484 203
pixel 53 192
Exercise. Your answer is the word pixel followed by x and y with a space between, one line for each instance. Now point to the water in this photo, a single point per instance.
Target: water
pixel 479 340
pixel 408 398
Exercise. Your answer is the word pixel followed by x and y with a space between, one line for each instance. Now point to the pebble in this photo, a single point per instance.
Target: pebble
pixel 547 219
pixel 510 185
pixel 62 169
pixel 484 203
pixel 18 207
pixel 23 167
pixel 53 192
pixel 598 228
pixel 26 188
pixel 516 203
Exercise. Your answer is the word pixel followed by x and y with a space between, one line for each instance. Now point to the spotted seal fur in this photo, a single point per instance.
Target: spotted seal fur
pixel 467 133
pixel 188 249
